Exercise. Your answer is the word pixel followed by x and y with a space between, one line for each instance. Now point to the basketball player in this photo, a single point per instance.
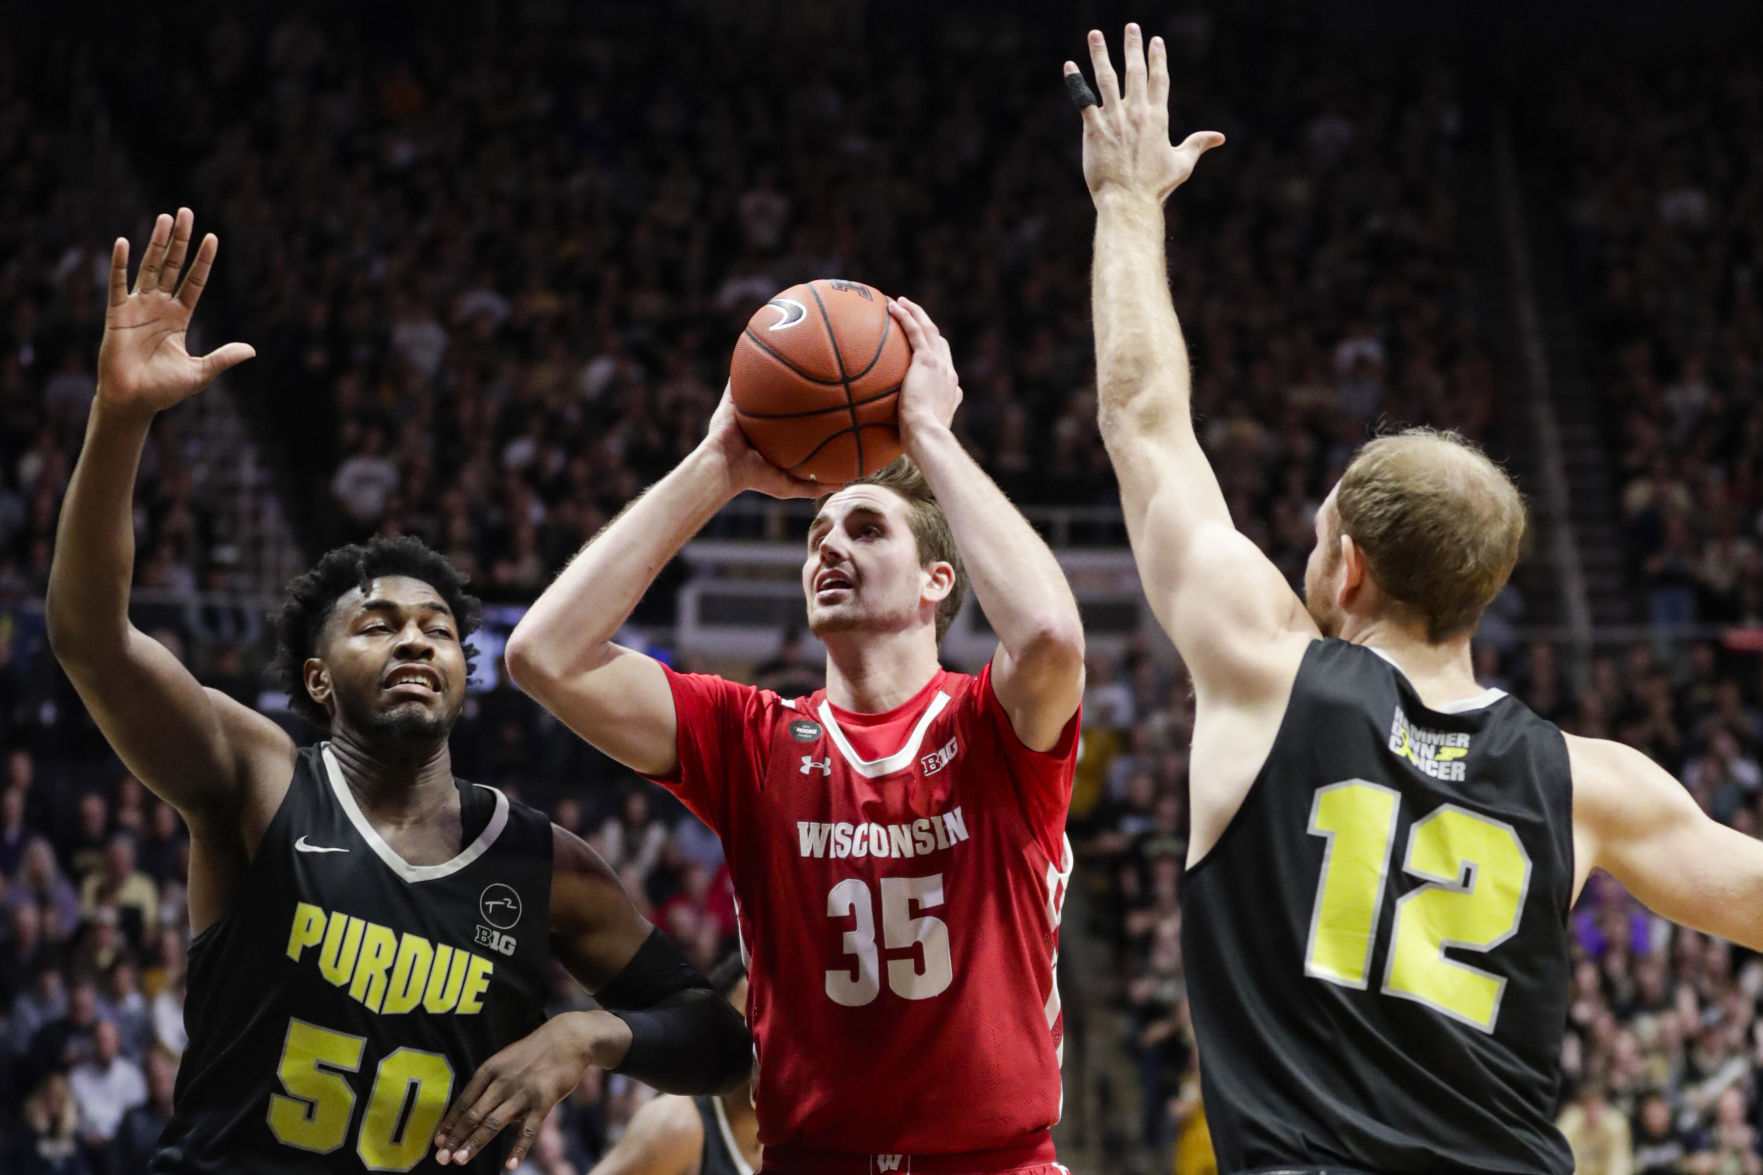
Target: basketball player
pixel 1383 853
pixel 368 929
pixel 694 1135
pixel 897 839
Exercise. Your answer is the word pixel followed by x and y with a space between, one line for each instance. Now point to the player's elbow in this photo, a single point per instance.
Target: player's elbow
pixel 531 666
pixel 1054 647
pixel 77 640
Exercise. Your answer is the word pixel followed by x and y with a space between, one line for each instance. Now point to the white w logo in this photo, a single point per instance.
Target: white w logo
pixel 888 1162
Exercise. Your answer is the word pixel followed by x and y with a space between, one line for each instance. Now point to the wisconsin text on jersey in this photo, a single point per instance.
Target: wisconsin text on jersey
pixel 1437 753
pixel 388 973
pixel 923 836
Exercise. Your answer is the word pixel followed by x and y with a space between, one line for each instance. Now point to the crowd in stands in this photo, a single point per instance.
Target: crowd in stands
pixel 495 281
pixel 1664 201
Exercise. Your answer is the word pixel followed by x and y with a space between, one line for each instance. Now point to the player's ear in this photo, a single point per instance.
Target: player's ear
pixel 1353 571
pixel 317 677
pixel 939 581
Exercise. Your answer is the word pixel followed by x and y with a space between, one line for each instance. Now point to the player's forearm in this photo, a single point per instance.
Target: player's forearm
pixel 1015 577
pixel 88 598
pixel 1142 377
pixel 573 621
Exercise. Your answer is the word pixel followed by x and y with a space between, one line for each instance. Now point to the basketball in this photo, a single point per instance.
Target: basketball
pixel 816 380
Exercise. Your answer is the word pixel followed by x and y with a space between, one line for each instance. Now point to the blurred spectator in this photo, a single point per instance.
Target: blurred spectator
pixel 48 1142
pixel 39 882
pixel 90 843
pixel 1659 1147
pixel 120 1003
pixel 70 1039
pixel 631 841
pixel 168 1013
pixel 137 1135
pixel 105 1087
pixel 15 834
pixel 35 1008
pixel 791 673
pixel 1597 1132
pixel 119 886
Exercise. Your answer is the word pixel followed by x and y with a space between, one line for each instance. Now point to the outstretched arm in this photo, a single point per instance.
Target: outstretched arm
pixel 191 746
pixel 1038 670
pixel 1633 819
pixel 562 651
pixel 1218 597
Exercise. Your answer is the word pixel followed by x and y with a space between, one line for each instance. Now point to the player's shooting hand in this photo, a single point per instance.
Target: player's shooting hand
pixel 932 389
pixel 142 363
pixel 747 470
pixel 519 1085
pixel 1126 137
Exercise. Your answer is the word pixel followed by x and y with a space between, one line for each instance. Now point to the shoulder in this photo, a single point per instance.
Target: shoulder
pixel 1603 769
pixel 571 856
pixel 1618 789
pixel 704 694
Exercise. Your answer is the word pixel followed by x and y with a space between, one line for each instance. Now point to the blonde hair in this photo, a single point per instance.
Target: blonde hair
pixel 930 529
pixel 1439 523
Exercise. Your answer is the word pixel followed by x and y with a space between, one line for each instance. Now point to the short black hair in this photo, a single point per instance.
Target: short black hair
pixel 727 973
pixel 312 596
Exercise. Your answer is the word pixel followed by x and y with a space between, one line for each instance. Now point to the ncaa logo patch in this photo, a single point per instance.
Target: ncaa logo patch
pixel 499 905
pixel 805 731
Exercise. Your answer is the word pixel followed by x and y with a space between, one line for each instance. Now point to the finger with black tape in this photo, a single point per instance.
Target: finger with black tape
pixel 1081 93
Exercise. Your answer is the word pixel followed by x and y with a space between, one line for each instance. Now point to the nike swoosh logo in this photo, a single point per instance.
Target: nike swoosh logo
pixel 306 848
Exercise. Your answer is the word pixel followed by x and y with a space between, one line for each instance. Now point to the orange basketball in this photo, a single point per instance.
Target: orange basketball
pixel 816 380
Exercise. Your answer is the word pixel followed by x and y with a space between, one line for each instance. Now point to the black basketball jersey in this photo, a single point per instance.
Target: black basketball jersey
pixel 1377 947
pixel 346 997
pixel 721 1154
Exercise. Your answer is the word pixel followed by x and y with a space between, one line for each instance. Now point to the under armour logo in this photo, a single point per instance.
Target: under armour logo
pixel 825 767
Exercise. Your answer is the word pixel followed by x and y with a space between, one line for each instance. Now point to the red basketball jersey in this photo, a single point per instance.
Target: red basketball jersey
pixel 900 878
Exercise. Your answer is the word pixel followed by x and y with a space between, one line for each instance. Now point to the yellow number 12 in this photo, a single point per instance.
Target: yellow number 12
pixel 1474 873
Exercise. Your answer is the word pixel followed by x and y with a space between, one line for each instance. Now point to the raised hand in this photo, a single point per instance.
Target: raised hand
pixel 1126 138
pixel 142 362
pixel 932 390
pixel 747 470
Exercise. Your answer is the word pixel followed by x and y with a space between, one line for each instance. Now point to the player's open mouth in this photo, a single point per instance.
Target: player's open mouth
pixel 829 585
pixel 413 681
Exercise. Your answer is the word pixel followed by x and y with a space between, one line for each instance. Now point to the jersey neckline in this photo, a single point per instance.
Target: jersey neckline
pixel 1481 701
pixel 861 718
pixel 389 855
pixel 830 716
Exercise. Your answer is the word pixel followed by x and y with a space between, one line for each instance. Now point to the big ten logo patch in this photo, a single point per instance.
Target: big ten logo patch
pixel 498 905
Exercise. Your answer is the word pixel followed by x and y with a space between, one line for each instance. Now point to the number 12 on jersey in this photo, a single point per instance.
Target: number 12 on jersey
pixel 1474 873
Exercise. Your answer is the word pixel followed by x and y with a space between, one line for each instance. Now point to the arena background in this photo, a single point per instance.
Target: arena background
pixel 494 257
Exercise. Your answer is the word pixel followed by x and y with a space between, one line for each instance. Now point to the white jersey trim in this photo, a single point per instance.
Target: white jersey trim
pixel 1484 699
pixel 728 1139
pixel 875 768
pixel 385 852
